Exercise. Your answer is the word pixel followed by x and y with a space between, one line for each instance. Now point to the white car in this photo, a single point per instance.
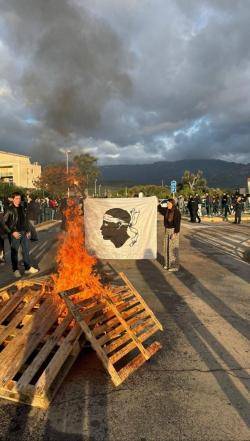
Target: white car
pixel 163 203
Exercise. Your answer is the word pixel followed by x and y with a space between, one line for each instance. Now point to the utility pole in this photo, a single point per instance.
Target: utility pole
pixel 67 164
pixel 95 187
pixel 67 152
pixel 100 190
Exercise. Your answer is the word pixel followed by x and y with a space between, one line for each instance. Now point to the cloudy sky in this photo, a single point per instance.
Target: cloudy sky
pixel 132 81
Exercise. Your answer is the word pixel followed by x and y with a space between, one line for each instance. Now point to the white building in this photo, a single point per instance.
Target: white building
pixel 18 169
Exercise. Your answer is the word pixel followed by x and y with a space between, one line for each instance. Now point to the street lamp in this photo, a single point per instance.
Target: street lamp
pixel 66 152
pixel 95 186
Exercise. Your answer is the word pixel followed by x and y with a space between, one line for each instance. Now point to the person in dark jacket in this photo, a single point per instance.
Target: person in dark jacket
pixel 16 225
pixel 193 207
pixel 225 205
pixel 33 211
pixel 238 209
pixel 172 223
pixel 209 204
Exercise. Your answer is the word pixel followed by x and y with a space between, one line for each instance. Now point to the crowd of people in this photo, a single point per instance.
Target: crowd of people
pixel 39 209
pixel 197 206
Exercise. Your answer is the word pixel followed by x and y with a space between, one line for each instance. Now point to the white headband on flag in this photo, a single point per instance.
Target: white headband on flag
pixel 134 217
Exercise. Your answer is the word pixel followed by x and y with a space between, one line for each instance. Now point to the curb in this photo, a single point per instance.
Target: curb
pixel 40 226
pixel 219 219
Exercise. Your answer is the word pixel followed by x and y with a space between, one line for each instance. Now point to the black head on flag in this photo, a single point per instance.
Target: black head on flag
pixel 118 226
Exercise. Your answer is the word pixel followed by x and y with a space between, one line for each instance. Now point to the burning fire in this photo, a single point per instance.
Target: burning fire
pixel 75 265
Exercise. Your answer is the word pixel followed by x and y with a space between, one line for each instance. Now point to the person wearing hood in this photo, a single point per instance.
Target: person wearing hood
pixel 172 223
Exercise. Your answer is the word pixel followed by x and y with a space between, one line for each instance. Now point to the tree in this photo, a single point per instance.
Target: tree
pixel 149 190
pixel 55 180
pixel 87 166
pixel 194 181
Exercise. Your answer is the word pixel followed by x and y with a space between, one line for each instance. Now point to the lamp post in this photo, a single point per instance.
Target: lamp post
pixel 66 152
pixel 95 186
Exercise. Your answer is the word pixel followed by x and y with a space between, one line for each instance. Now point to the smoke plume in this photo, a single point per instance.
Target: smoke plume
pixel 72 63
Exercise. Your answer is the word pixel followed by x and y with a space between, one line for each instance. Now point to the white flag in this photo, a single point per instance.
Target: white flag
pixel 121 228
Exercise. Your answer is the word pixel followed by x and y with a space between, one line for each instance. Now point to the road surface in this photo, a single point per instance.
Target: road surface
pixel 196 388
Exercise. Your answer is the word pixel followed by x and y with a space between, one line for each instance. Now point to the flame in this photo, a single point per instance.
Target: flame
pixel 76 268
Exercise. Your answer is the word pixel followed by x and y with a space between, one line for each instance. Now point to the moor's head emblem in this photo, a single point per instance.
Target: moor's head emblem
pixel 118 226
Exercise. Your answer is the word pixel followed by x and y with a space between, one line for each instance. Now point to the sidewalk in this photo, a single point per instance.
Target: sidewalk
pixel 215 219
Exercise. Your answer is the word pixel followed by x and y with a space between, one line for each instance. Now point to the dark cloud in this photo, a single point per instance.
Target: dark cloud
pixel 72 62
pixel 128 81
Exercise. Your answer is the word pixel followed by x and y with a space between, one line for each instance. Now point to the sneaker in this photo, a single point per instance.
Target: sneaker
pixel 165 267
pixel 32 270
pixel 173 270
pixel 17 274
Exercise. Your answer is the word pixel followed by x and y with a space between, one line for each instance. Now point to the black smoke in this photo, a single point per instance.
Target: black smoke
pixel 73 63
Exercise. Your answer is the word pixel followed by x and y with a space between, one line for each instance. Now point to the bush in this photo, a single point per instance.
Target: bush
pixel 7 189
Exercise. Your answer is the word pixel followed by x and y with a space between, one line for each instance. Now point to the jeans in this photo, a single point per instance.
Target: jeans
pixel 15 244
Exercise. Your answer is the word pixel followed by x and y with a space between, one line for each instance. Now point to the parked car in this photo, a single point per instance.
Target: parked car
pixel 163 202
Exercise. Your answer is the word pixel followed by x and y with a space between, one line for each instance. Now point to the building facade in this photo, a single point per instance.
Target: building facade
pixel 18 169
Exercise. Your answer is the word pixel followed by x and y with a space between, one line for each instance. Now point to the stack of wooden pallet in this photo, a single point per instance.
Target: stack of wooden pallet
pixel 41 336
pixel 38 343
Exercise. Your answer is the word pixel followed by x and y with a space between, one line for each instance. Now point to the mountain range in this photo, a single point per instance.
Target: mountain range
pixel 218 173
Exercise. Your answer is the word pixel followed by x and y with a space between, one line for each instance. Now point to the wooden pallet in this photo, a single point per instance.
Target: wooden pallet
pixel 39 342
pixel 117 326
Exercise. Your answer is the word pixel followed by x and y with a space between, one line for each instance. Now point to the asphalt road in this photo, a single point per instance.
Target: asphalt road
pixel 196 388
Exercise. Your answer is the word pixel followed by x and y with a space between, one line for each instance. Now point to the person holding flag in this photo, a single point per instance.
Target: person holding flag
pixel 172 223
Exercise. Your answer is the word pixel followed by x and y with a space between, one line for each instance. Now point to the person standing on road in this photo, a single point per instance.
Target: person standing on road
pixel 238 208
pixel 192 208
pixel 225 206
pixel 16 225
pixel 181 204
pixel 33 211
pixel 172 223
pixel 197 208
pixel 215 205
pixel 209 204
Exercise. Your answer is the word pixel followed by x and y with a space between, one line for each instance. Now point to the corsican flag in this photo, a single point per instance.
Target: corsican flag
pixel 122 228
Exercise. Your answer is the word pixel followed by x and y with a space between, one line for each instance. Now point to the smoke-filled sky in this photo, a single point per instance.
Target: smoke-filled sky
pixel 132 81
